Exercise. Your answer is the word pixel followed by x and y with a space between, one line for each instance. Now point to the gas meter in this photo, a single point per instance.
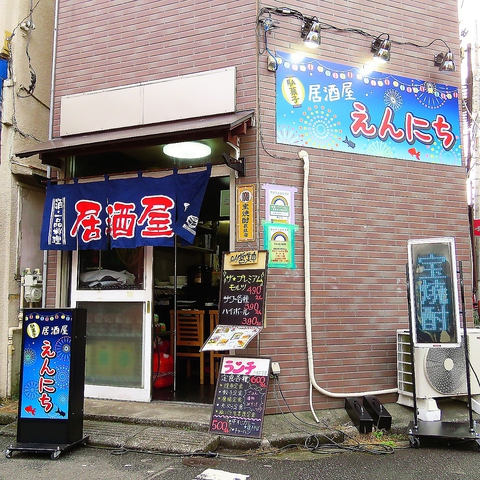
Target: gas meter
pixel 32 285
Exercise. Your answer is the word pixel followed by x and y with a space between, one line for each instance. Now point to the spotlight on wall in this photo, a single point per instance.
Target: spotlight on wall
pixel 381 48
pixel 444 61
pixel 311 32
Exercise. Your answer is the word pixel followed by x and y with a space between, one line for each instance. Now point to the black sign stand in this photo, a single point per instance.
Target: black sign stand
pixel 52 377
pixel 240 397
pixel 442 431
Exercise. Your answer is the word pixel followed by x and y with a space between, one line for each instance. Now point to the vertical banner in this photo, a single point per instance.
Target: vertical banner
pixel 433 292
pixel 3 76
pixel 245 203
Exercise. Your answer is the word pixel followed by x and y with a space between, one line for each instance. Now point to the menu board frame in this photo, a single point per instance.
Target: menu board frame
pixel 240 396
pixel 242 294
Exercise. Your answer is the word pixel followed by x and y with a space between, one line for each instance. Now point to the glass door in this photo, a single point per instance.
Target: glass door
pixel 115 286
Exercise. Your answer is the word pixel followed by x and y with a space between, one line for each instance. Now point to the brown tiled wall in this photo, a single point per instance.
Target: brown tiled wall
pixel 51 279
pixel 363 209
pixel 105 44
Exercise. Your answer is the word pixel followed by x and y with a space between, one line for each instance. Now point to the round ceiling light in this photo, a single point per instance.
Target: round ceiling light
pixel 187 150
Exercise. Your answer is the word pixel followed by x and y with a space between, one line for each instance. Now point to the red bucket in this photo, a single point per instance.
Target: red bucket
pixel 162 370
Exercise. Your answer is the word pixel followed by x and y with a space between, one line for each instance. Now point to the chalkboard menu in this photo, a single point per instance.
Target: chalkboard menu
pixel 242 289
pixel 240 397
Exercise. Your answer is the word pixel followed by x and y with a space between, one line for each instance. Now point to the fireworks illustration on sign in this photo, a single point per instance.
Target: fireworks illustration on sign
pixel 62 377
pixel 320 128
pixel 430 96
pixel 288 135
pixel 30 389
pixel 62 398
pixel 393 99
pixel 379 149
pixel 29 357
pixel 62 348
pixel 436 154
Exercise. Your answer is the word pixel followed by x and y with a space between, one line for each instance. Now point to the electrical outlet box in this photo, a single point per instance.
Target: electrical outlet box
pixel 275 368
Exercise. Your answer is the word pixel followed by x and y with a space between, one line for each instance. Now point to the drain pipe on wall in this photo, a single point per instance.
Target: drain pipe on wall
pixel 11 345
pixel 308 310
pixel 10 353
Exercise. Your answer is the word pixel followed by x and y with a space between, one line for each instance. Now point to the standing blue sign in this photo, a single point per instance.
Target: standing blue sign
pixel 433 294
pixel 52 374
pixel 47 340
pixel 331 106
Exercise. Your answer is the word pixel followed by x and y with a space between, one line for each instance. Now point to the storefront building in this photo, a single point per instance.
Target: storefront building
pixel 329 166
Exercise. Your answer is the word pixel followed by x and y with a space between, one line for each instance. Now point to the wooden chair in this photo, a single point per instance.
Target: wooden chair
pixel 190 337
pixel 215 356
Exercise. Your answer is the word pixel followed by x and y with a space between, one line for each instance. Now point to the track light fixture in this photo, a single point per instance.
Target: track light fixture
pixel 444 61
pixel 381 48
pixel 311 32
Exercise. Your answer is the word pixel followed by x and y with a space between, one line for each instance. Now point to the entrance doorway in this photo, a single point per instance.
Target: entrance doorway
pixel 186 289
pixel 133 297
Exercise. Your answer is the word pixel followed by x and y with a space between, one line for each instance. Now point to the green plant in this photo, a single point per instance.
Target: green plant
pixel 476 317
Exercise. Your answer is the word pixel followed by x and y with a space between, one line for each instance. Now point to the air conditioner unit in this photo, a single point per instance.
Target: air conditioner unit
pixel 439 373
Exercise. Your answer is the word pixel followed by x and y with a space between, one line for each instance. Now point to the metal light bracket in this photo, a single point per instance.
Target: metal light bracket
pixel 237 164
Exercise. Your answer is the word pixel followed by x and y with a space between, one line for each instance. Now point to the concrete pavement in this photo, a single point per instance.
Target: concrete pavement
pixel 183 428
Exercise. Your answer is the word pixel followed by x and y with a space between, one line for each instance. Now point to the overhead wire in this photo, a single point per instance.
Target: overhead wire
pixel 33 76
pixel 284 11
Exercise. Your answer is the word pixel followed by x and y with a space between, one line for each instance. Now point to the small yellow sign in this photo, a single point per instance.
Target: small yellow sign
pixel 243 258
pixel 6 45
pixel 245 200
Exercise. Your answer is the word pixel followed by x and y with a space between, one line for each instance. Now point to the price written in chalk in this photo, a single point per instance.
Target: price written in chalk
pixel 220 425
pixel 242 297
pixel 252 321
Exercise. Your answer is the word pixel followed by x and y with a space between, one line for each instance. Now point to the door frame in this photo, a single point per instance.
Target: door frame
pixel 144 296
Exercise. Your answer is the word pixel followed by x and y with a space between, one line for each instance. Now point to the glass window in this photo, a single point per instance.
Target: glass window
pixel 114 344
pixel 115 269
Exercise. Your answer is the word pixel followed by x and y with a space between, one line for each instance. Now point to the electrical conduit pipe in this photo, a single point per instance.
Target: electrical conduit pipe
pixel 10 345
pixel 308 317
